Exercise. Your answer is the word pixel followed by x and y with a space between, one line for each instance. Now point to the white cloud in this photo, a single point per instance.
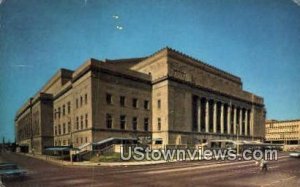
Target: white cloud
pixel 115 16
pixel 20 66
pixel 297 2
pixel 119 27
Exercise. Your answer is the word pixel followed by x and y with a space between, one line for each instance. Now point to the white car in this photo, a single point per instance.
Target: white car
pixel 295 154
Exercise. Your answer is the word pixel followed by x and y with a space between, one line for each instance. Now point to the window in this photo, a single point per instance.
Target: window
pixel 135 103
pixel 81 122
pixel 59 129
pixel 109 99
pixel 85 99
pixel 108 121
pixel 63 110
pixel 69 107
pixel 77 122
pixel 55 130
pixel 122 100
pixel 76 103
pixel 54 113
pixel 158 103
pixel 134 123
pixel 86 120
pixel 146 104
pixel 86 139
pixel 81 100
pixel 122 121
pixel 58 112
pixel 158 124
pixel 69 126
pixel 64 128
pixel 146 124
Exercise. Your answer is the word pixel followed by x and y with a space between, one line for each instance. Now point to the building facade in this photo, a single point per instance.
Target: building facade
pixel 169 96
pixel 283 132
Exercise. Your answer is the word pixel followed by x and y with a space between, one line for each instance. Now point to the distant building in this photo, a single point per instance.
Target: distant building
pixel 169 96
pixel 283 132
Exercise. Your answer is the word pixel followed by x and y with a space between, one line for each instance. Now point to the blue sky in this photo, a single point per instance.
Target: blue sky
pixel 254 39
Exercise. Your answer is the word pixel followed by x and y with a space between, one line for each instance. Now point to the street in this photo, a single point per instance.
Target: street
pixel 284 172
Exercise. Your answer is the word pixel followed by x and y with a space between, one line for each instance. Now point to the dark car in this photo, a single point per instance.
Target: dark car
pixel 10 170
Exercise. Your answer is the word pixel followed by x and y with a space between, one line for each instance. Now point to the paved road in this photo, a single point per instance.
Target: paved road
pixel 284 172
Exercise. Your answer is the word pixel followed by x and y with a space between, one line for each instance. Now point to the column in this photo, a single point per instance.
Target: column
pixel 222 118
pixel 199 114
pixel 234 120
pixel 251 122
pixel 241 121
pixel 206 116
pixel 229 119
pixel 246 123
pixel 215 117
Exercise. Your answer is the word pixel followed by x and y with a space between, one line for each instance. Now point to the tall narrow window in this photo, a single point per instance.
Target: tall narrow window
pixel 59 129
pixel 64 128
pixel 109 99
pixel 85 99
pixel 108 121
pixel 159 124
pixel 146 124
pixel 69 107
pixel 158 103
pixel 135 103
pixel 58 112
pixel 81 122
pixel 146 104
pixel 69 126
pixel 122 100
pixel 63 110
pixel 55 130
pixel 81 100
pixel 86 120
pixel 122 121
pixel 77 122
pixel 134 123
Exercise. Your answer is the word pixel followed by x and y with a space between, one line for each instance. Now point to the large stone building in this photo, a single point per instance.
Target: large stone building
pixel 169 96
pixel 283 132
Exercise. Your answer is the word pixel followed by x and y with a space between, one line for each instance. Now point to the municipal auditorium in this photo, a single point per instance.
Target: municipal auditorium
pixel 169 96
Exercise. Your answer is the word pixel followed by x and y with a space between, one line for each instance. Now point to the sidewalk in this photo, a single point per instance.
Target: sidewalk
pixel 87 163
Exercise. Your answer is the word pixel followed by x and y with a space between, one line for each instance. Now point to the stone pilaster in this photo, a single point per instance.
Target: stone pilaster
pixel 222 118
pixel 206 116
pixel 229 119
pixel 215 117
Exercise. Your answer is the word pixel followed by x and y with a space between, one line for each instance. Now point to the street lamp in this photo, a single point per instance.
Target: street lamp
pixel 237 138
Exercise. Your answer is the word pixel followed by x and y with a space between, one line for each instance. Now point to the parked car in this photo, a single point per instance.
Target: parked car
pixel 295 154
pixel 10 170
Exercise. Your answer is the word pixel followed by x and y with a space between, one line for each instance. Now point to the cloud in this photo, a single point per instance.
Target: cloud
pixel 115 16
pixel 297 2
pixel 20 66
pixel 2 1
pixel 119 27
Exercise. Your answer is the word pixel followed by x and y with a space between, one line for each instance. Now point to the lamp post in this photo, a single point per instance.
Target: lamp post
pixel 237 139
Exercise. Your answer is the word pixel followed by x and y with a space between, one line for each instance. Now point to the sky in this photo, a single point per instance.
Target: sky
pixel 256 40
